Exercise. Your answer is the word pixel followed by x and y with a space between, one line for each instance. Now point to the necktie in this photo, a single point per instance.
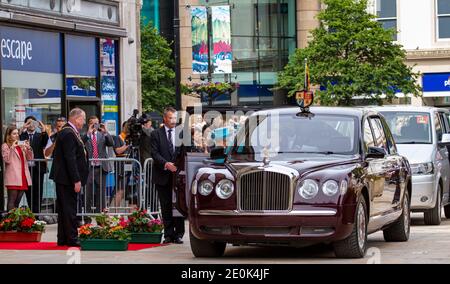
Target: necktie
pixel 169 138
pixel 30 137
pixel 94 147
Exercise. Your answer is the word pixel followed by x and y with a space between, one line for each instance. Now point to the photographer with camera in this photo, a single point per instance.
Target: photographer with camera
pixel 97 140
pixel 37 141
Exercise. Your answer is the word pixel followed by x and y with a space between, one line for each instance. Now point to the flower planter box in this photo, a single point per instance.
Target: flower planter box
pixel 104 245
pixel 20 237
pixel 146 238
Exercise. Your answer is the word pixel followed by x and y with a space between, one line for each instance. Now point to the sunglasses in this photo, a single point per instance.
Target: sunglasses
pixel 61 119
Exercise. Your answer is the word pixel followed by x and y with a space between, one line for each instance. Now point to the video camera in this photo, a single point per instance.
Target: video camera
pixel 135 128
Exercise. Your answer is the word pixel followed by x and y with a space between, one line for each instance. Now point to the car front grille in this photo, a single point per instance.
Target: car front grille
pixel 264 190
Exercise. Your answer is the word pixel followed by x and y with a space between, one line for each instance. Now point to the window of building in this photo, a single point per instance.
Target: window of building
pixel 33 83
pixel 263 35
pixel 386 11
pixel 443 18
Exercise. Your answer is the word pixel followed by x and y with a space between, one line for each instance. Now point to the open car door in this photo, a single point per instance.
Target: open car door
pixel 193 158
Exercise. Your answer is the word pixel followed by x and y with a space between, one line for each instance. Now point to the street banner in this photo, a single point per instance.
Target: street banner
pixel 199 22
pixel 221 32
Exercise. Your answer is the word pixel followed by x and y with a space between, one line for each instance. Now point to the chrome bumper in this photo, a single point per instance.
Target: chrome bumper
pixel 324 212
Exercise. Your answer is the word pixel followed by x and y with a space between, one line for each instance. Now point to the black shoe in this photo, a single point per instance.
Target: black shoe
pixel 75 244
pixel 167 240
pixel 177 241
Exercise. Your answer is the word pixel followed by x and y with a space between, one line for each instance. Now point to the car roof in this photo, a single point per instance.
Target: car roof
pixel 409 108
pixel 352 111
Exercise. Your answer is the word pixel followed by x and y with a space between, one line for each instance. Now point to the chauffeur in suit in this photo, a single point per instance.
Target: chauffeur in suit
pixel 69 171
pixel 164 154
pixel 97 140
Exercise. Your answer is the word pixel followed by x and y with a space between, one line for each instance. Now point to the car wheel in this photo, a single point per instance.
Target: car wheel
pixel 434 216
pixel 355 245
pixel 204 248
pixel 399 230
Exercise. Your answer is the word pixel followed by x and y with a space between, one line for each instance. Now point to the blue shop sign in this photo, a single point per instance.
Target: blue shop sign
pixel 30 50
pixel 436 82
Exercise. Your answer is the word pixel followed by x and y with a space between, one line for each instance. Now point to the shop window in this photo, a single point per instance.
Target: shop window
pixel 81 66
pixel 387 14
pixel 32 83
pixel 443 18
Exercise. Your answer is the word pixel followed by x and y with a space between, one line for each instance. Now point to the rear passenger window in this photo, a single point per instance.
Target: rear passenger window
pixel 389 139
pixel 444 122
pixel 378 133
pixel 368 136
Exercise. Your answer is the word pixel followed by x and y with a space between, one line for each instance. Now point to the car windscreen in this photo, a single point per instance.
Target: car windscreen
pixel 409 127
pixel 274 135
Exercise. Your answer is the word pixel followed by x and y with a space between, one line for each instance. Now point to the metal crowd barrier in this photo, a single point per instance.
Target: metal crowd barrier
pixel 115 185
pixel 151 200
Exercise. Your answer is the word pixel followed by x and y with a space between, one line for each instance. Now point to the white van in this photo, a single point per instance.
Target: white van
pixel 422 136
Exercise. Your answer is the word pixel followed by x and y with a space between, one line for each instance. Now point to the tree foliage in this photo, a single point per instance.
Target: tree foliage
pixel 350 55
pixel 157 70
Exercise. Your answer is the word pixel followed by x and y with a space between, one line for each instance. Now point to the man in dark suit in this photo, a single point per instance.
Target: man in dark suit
pixel 69 171
pixel 97 140
pixel 38 141
pixel 164 154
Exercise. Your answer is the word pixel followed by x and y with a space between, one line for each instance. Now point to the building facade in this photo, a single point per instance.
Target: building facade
pixel 58 54
pixel 424 31
pixel 61 54
pixel 263 36
pixel 265 32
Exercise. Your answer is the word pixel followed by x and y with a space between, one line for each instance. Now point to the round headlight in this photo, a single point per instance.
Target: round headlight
pixel 206 187
pixel 330 188
pixel 308 189
pixel 224 189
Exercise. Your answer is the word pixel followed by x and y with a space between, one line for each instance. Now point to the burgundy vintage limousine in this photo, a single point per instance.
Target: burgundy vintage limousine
pixel 292 178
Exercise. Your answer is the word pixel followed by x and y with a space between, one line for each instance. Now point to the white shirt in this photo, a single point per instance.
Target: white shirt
pixel 49 144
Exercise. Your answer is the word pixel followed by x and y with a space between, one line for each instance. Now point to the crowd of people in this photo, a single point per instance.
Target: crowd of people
pixel 80 167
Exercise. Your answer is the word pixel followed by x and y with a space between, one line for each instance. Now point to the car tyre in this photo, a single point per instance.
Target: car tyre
pixel 400 229
pixel 355 245
pixel 434 216
pixel 205 248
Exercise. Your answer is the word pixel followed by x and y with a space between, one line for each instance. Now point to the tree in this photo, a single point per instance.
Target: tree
pixel 350 55
pixel 158 76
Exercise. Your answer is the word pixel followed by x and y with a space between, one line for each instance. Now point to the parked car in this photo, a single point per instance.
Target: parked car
pixel 332 175
pixel 421 135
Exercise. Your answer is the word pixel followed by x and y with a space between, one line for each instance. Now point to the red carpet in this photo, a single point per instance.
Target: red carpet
pixel 53 246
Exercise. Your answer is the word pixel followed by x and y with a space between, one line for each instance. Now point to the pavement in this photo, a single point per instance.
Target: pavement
pixel 427 244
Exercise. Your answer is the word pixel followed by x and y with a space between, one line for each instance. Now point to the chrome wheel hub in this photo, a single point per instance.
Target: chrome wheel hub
pixel 361 227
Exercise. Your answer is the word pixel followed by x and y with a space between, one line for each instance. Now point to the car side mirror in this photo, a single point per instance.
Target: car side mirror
pixel 376 153
pixel 445 138
pixel 218 153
